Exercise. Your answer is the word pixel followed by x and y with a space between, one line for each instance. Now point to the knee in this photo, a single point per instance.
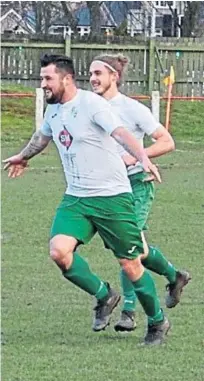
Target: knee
pixel 58 255
pixel 145 247
pixel 61 252
pixel 133 268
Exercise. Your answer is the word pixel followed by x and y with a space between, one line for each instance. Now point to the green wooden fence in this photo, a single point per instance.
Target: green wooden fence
pixel 150 62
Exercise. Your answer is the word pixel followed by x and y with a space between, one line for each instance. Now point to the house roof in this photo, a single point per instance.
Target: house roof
pixel 8 13
pixel 83 16
pixel 120 9
pixel 113 13
pixel 17 20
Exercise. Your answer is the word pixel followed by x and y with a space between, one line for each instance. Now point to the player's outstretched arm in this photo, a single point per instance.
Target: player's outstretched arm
pixel 16 164
pixel 132 145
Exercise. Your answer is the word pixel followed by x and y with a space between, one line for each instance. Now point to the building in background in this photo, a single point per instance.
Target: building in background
pixel 149 18
pixel 13 22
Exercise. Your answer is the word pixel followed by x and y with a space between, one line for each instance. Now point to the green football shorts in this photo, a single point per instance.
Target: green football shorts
pixel 113 217
pixel 143 194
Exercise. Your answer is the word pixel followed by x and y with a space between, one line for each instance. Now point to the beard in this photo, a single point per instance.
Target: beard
pixel 100 90
pixel 53 98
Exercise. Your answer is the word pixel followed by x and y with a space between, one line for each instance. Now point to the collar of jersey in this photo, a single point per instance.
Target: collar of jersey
pixel 73 100
pixel 116 97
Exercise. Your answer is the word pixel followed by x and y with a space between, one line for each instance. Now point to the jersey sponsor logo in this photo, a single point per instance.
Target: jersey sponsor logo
pixel 65 138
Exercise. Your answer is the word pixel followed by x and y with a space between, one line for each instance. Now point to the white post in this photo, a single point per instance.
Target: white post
pixel 39 108
pixel 153 22
pixel 155 105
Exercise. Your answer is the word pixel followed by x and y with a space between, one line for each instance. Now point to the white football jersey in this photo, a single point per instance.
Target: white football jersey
pixel 137 118
pixel 81 130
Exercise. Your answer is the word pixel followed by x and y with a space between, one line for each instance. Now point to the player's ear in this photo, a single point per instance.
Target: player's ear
pixel 68 79
pixel 115 76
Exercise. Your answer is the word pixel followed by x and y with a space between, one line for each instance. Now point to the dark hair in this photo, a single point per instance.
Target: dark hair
pixel 62 63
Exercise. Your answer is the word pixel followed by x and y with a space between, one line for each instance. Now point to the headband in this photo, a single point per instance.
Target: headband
pixel 107 65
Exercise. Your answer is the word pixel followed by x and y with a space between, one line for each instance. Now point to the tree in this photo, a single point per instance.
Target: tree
pixel 70 17
pixel 95 16
pixel 191 18
pixel 38 14
pixel 46 11
pixel 189 26
pixel 41 14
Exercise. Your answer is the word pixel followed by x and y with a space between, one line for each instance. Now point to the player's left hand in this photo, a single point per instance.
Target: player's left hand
pixel 129 160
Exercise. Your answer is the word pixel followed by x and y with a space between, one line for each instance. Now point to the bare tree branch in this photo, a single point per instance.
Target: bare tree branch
pixel 69 15
pixel 95 16
pixel 191 13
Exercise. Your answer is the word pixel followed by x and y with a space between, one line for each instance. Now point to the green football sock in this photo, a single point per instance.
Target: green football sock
pixel 146 292
pixel 157 262
pixel 129 296
pixel 80 274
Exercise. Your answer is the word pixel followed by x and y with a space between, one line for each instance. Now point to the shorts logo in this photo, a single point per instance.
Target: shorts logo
pixel 131 250
pixel 65 138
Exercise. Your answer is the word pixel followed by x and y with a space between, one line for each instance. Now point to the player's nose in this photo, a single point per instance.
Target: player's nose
pixel 43 83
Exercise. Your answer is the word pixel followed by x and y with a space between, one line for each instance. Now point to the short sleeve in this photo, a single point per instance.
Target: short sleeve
pixel 144 119
pixel 102 113
pixel 45 127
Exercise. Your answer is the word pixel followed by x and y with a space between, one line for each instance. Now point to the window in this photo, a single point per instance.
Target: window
pixel 158 32
pixel 163 4
pixel 57 30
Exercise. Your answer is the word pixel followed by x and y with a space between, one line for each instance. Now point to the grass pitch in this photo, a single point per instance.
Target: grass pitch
pixel 46 321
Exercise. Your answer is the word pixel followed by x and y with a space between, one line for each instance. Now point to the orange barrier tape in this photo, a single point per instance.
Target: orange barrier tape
pixel 145 97
pixel 19 95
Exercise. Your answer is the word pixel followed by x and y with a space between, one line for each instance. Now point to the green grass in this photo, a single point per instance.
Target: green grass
pixel 186 120
pixel 18 115
pixel 46 321
pixel 18 118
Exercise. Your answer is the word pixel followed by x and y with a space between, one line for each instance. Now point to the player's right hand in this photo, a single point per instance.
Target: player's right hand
pixel 15 165
pixel 151 169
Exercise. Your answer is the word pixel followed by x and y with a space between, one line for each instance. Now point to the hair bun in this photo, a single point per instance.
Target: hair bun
pixel 123 59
